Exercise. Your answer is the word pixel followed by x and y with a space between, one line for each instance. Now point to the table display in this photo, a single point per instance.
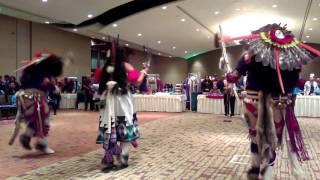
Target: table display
pixel 215 105
pixel 68 101
pixel 159 103
pixel 307 106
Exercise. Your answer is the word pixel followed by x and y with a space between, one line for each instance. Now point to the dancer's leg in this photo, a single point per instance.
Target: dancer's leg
pixel 25 138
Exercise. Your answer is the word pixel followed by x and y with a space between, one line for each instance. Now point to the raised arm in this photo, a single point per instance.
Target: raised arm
pixel 134 76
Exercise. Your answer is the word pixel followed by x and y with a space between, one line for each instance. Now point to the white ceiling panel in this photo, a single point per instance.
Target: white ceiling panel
pixel 71 11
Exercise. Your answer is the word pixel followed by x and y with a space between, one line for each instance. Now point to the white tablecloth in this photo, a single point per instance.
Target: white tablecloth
pixel 68 101
pixel 214 106
pixel 307 106
pixel 159 103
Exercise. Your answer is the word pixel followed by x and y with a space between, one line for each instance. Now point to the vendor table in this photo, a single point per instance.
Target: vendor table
pixel 159 103
pixel 68 101
pixel 307 106
pixel 215 105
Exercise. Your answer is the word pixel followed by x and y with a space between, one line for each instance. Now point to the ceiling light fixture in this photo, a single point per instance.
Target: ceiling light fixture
pixel 159 42
pixel 274 6
pixel 164 7
pixel 115 25
pixel 185 52
pixel 47 22
pixel 197 30
pixel 174 47
pixel 90 15
pixel 44 0
pixel 308 37
pixel 216 12
pixel 103 38
pixel 304 41
pixel 127 44
pixel 170 56
pixel 75 30
pixel 310 29
pixel 315 19
pixel 238 9
pixel 139 34
pixel 183 20
pixel 159 54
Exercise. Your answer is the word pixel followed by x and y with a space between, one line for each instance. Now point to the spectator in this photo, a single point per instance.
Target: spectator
pixel 310 86
pixel 2 86
pixel 12 89
pixel 206 85
pixel 54 96
pixel 88 93
pixel 14 80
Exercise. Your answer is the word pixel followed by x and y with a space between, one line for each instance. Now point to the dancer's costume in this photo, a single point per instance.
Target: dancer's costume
pixel 31 100
pixel 272 64
pixel 118 122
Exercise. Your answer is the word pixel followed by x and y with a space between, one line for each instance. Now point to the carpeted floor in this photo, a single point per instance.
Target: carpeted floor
pixel 72 134
pixel 186 146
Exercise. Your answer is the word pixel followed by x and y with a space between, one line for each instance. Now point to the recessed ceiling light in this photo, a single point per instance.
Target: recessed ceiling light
pixel 310 29
pixel 159 42
pixel 44 0
pixel 139 34
pixel 164 7
pixel 75 30
pixel 103 38
pixel 47 22
pixel 308 37
pixel 174 47
pixel 159 54
pixel 238 9
pixel 315 19
pixel 216 12
pixel 197 30
pixel 183 20
pixel 90 15
pixel 115 25
pixel 274 6
pixel 185 52
pixel 170 56
pixel 127 44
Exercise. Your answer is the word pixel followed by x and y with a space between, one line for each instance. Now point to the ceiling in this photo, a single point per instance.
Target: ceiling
pixel 162 29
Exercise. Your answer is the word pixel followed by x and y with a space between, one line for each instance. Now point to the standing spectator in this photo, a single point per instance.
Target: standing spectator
pixel 54 96
pixel 206 85
pixel 88 94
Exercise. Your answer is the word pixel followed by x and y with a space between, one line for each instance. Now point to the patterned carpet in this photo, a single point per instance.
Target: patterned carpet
pixel 187 146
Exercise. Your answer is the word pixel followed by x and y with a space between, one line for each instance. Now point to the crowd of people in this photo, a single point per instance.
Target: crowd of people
pixel 8 85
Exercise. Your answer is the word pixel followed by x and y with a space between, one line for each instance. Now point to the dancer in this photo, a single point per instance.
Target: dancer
pixel 272 64
pixel 32 105
pixel 118 122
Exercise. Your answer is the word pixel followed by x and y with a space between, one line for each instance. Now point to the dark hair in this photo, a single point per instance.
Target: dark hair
pixel 119 74
pixel 50 67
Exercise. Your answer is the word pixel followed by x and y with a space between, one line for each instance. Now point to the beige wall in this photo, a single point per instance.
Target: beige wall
pixel 171 70
pixel 8 45
pixel 63 43
pixel 208 63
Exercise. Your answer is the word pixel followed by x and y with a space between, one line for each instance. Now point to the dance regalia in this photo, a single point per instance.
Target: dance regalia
pixel 32 105
pixel 272 64
pixel 118 121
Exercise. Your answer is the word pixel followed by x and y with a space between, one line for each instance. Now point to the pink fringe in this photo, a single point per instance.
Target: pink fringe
pixel 296 140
